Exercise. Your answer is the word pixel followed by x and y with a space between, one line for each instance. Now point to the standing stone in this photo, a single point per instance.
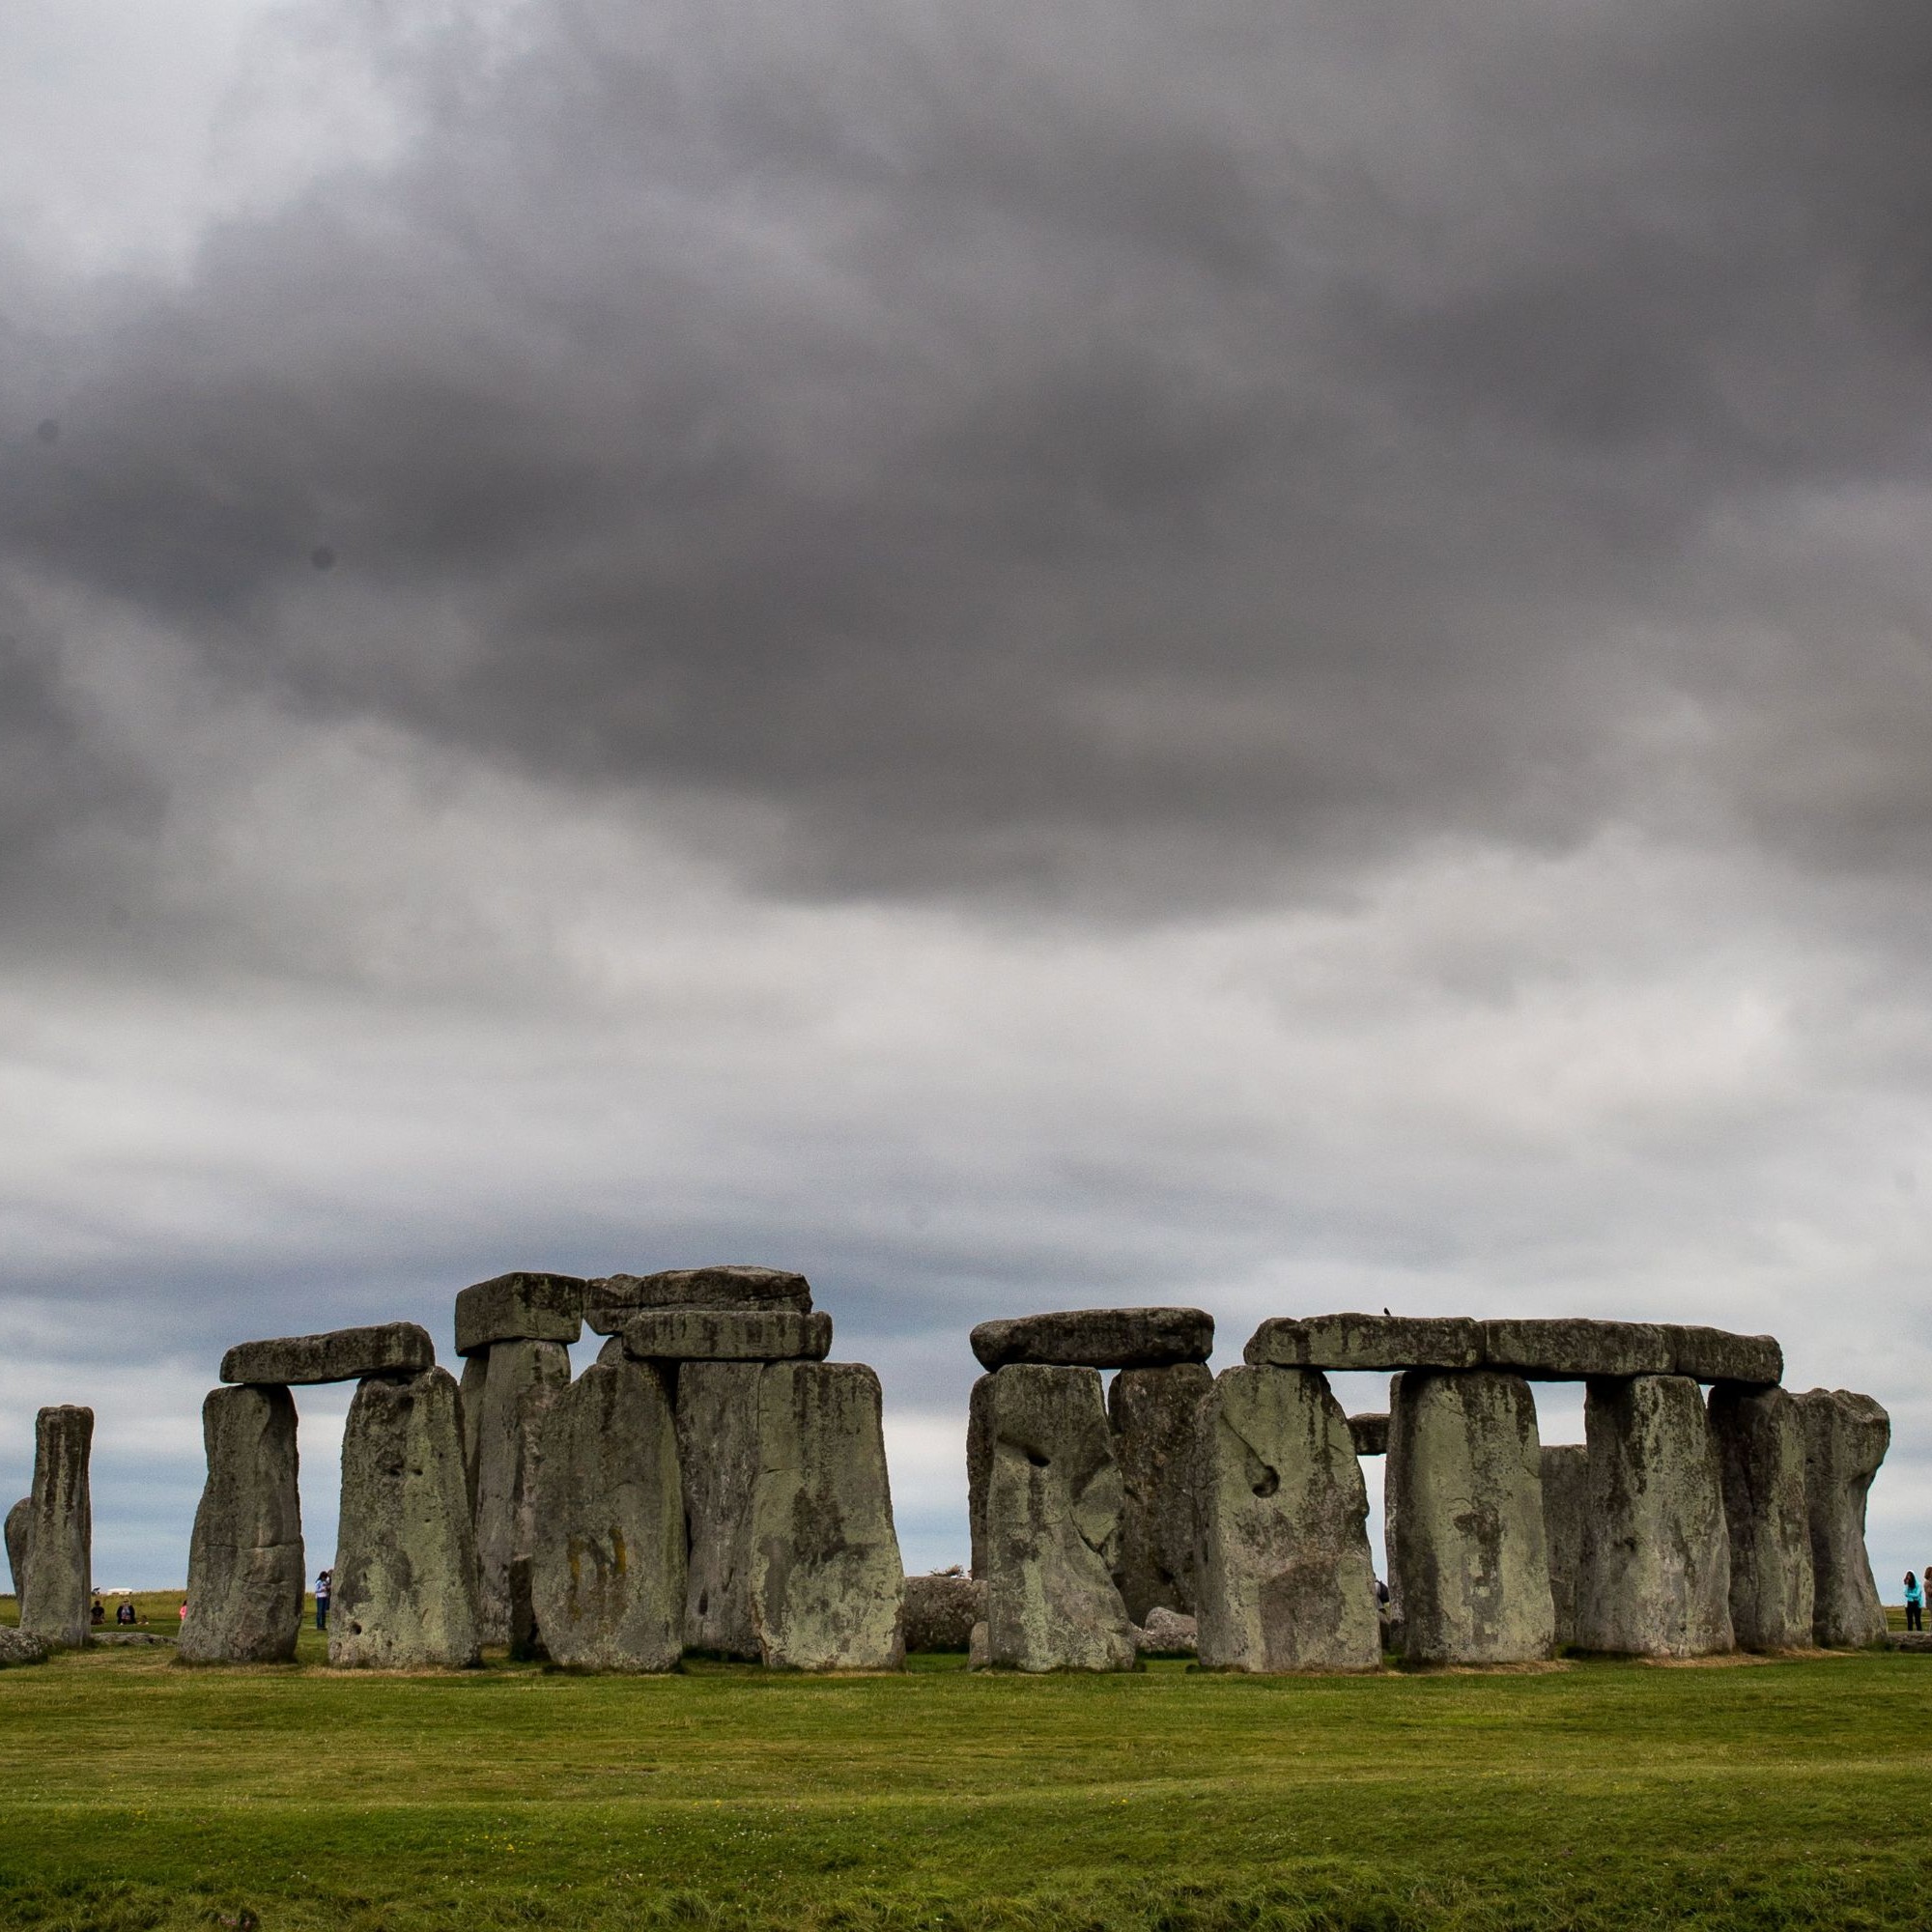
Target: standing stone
pixel 607 1569
pixel 1464 1459
pixel 1566 1509
pixel 404 1595
pixel 1845 1439
pixel 245 1569
pixel 475 1380
pixel 1760 1438
pixel 1052 1533
pixel 1285 1576
pixel 1391 1616
pixel 59 1584
pixel 1657 1572
pixel 19 1540
pixel 1153 1412
pixel 515 1368
pixel 979 1466
pixel 718 1450
pixel 826 1585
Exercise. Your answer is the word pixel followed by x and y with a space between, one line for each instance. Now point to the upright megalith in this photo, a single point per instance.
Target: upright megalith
pixel 1052 1531
pixel 1285 1576
pixel 979 1468
pixel 59 1583
pixel 1566 1525
pixel 502 1458
pixel 1760 1438
pixel 1845 1439
pixel 718 1450
pixel 19 1540
pixel 1464 1459
pixel 607 1558
pixel 245 1569
pixel 1152 1413
pixel 405 1592
pixel 826 1585
pixel 1657 1570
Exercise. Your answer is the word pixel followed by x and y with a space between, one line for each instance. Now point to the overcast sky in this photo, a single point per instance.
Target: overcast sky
pixel 1267 655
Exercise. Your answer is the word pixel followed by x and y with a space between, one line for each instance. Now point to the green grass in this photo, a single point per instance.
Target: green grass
pixel 136 1793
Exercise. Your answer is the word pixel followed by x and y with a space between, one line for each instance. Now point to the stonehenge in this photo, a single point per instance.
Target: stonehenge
pixel 1566 1510
pixel 1845 1439
pixel 1152 1413
pixel 57 1583
pixel 1760 1438
pixel 20 1534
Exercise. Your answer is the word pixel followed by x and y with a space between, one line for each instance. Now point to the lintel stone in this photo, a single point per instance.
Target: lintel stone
pixel 1371 1432
pixel 519 1307
pixel 1340 1342
pixel 612 1301
pixel 1568 1350
pixel 1097 1338
pixel 1715 1356
pixel 342 1355
pixel 727 1335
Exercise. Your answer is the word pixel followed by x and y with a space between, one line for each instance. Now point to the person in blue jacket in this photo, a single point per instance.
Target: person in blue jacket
pixel 1915 1603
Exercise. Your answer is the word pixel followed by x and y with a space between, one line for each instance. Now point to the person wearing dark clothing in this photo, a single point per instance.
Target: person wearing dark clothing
pixel 99 1613
pixel 124 1612
pixel 1915 1604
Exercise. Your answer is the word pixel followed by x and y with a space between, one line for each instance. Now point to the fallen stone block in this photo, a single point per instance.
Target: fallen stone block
pixel 404 1595
pixel 607 1565
pixel 1760 1438
pixel 1566 1516
pixel 1097 1338
pixel 520 1307
pixel 501 1462
pixel 941 1610
pixel 718 1449
pixel 612 1300
pixel 1371 1431
pixel 727 1335
pixel 1166 1633
pixel 1656 1568
pixel 245 1569
pixel 342 1355
pixel 19 1535
pixel 826 1585
pixel 17 1647
pixel 1052 1524
pixel 1285 1576
pixel 1342 1342
pixel 1153 1412
pixel 1464 1459
pixel 1715 1355
pixel 1845 1439
pixel 58 1588
pixel 1575 1350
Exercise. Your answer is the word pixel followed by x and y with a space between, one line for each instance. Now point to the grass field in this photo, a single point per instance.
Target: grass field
pixel 137 1793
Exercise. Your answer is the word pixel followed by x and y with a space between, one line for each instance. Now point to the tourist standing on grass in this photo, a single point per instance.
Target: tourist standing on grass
pixel 323 1579
pixel 1915 1603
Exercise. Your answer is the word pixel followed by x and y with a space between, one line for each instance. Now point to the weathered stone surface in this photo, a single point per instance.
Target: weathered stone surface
pixel 245 1569
pixel 502 1467
pixel 1366 1342
pixel 475 1379
pixel 59 1584
pixel 718 1446
pixel 1715 1356
pixel 1571 1350
pixel 1845 1439
pixel 1464 1459
pixel 1285 1575
pixel 1656 1580
pixel 526 1644
pixel 1370 1431
pixel 828 1588
pixel 1153 1414
pixel 1052 1524
pixel 342 1355
pixel 979 1466
pixel 612 1300
pixel 727 1335
pixel 520 1307
pixel 18 1646
pixel 404 1595
pixel 608 1566
pixel 941 1610
pixel 1566 1513
pixel 1167 1633
pixel 20 1537
pixel 979 1648
pixel 1760 1438
pixel 1097 1338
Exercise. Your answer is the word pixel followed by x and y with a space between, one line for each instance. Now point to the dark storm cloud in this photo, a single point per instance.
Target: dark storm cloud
pixel 1071 449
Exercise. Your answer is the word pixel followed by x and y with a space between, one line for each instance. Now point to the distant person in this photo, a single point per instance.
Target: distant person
pixel 324 1579
pixel 1915 1604
pixel 184 1610
pixel 124 1612
pixel 99 1613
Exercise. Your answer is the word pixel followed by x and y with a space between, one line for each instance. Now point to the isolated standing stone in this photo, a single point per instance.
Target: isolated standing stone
pixel 404 1595
pixel 1052 1531
pixel 501 1462
pixel 827 1587
pixel 341 1355
pixel 1760 1438
pixel 607 1569
pixel 520 1307
pixel 717 1447
pixel 1285 1577
pixel 1566 1510
pixel 1152 1415
pixel 19 1540
pixel 1464 1459
pixel 1845 1439
pixel 1657 1570
pixel 59 1584
pixel 245 1569
pixel 1097 1338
